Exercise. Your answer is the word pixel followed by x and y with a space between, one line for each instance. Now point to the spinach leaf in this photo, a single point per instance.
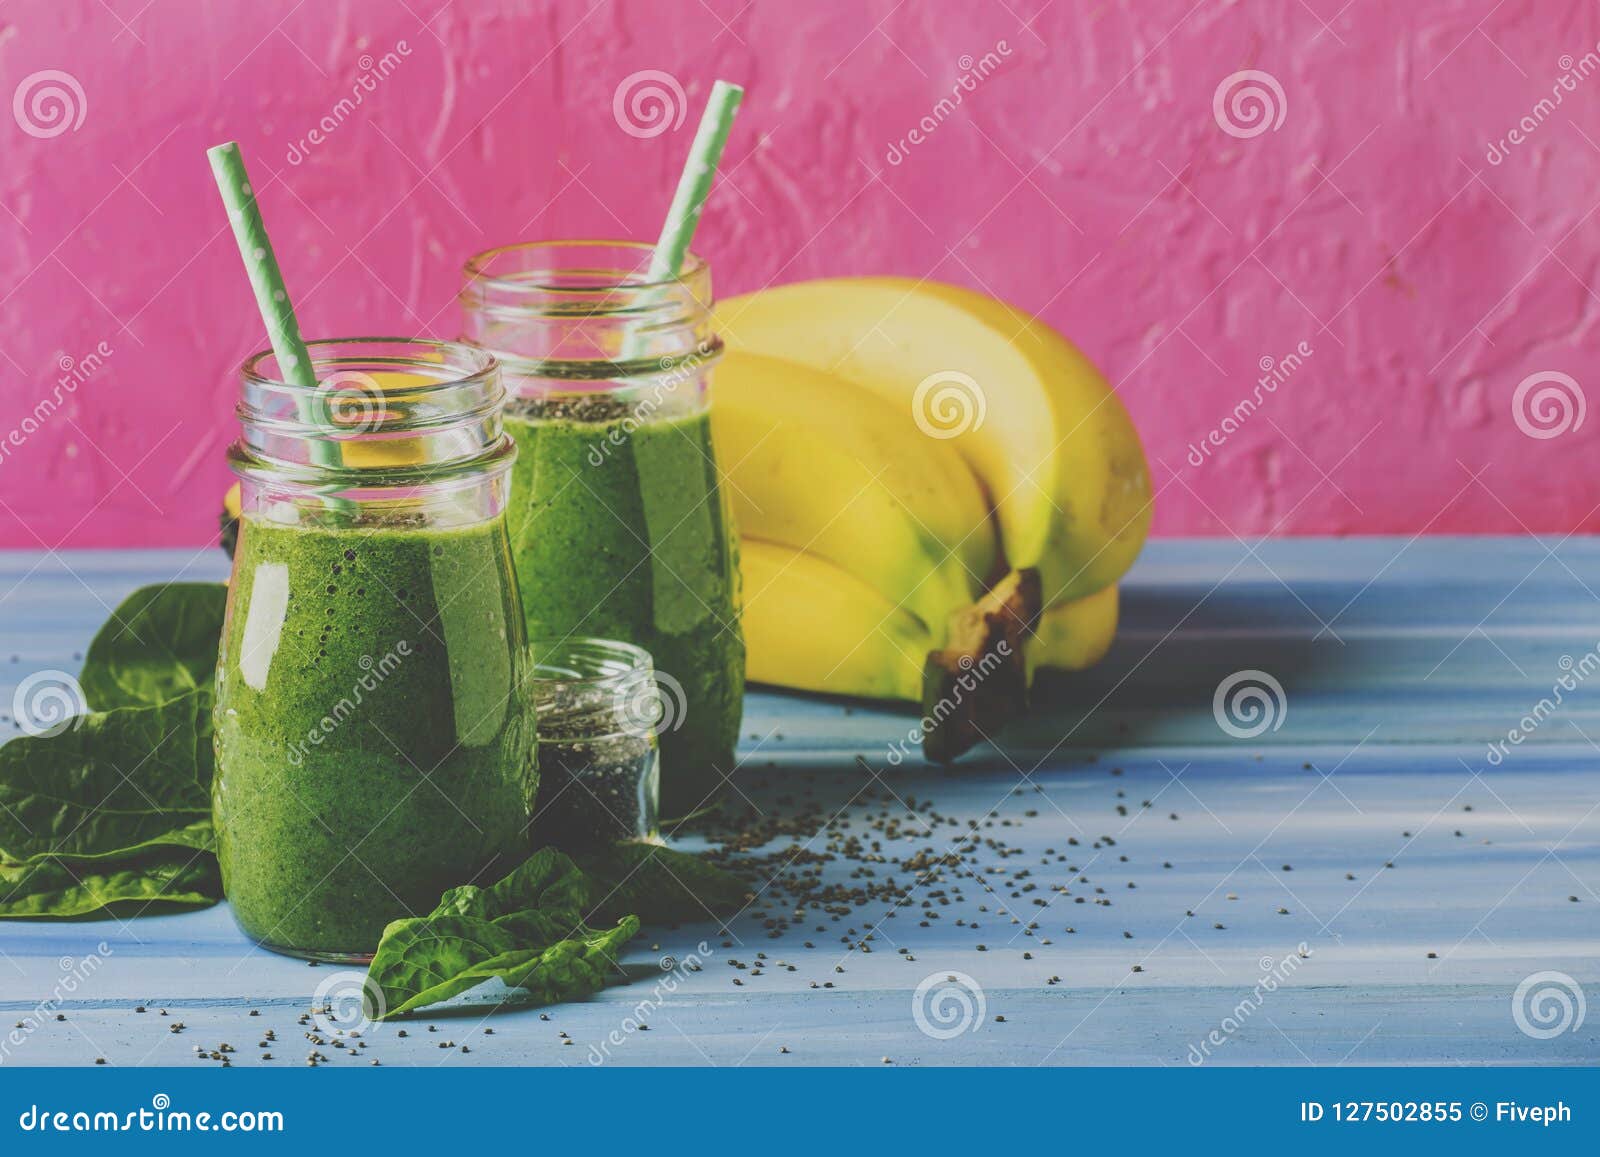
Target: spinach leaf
pixel 160 644
pixel 542 927
pixel 426 959
pixel 570 968
pixel 52 888
pixel 114 813
pixel 116 782
pixel 660 885
pixel 527 930
pixel 545 881
pixel 432 958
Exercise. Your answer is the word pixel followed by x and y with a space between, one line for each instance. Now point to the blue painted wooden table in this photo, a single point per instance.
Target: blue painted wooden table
pixel 1365 879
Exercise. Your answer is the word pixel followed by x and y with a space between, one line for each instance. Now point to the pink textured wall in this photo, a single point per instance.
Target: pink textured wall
pixel 1084 174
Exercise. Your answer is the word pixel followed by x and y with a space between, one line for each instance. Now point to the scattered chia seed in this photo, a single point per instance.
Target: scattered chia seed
pixel 842 872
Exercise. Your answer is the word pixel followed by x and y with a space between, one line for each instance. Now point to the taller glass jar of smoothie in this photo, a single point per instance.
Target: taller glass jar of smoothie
pixel 618 520
pixel 374 726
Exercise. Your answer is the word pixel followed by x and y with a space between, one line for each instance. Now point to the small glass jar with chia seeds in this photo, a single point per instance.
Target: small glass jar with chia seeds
pixel 599 711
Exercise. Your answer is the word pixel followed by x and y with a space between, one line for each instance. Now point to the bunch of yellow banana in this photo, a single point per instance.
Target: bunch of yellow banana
pixel 936 495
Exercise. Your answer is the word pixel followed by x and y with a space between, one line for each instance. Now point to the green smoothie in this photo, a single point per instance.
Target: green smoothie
pixel 369 755
pixel 621 530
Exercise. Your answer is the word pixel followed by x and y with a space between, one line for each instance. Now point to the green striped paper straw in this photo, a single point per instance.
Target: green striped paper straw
pixel 272 297
pixel 695 183
pixel 666 260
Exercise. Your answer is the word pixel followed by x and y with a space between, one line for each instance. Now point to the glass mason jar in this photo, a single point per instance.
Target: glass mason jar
pixel 619 523
pixel 374 725
pixel 599 760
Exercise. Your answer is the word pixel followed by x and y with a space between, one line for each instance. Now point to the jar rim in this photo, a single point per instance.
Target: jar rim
pixel 473 365
pixel 542 279
pixel 585 660
pixel 494 460
pixel 445 408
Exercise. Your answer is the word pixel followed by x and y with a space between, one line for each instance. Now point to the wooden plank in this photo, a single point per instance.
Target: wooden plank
pixel 1492 903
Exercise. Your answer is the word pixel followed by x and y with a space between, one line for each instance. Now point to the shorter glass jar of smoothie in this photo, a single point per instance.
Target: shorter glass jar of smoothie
pixel 374 722
pixel 620 525
pixel 599 761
